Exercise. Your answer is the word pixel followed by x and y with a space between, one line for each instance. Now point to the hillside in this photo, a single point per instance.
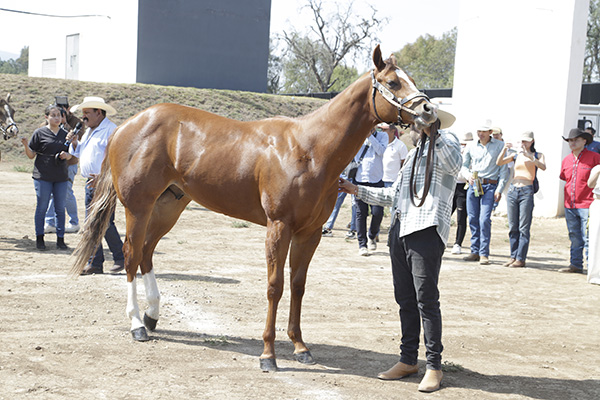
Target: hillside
pixel 30 96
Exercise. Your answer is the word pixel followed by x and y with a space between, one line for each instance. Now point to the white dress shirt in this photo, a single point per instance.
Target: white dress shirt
pixel 92 146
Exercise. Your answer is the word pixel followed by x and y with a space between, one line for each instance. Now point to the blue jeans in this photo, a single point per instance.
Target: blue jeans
pixel 70 203
pixel 336 210
pixel 416 261
pixel 115 244
pixel 577 219
pixel 519 201
pixel 43 191
pixel 480 219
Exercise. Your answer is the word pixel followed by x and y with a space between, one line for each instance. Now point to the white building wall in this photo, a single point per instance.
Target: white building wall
pixel 520 64
pixel 107 40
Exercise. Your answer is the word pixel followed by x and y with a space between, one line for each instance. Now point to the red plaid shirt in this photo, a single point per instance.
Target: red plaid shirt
pixel 576 171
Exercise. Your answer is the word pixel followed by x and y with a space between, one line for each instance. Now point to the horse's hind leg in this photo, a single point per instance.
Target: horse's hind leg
pixel 165 214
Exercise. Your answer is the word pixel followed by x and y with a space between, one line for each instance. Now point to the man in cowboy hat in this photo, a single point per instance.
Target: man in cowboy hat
pixel 575 170
pixel 479 162
pixel 417 239
pixel 90 151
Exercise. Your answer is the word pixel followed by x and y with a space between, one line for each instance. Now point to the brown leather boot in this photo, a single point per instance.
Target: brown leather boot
pixel 398 371
pixel 431 381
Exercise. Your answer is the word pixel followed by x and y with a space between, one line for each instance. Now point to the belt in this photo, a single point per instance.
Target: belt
pixel 486 181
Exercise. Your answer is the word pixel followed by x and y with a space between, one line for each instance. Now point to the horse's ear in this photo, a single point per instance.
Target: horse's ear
pixel 377 60
pixel 393 59
pixel 7 97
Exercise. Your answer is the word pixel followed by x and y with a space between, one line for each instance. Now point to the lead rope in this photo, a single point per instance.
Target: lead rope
pixel 428 169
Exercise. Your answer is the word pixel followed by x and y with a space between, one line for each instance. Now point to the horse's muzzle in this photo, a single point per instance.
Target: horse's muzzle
pixel 427 114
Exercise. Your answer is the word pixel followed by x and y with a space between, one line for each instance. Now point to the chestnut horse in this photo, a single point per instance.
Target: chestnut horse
pixel 280 172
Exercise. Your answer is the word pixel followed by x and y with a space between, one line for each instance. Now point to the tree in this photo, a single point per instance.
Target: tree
pixel 18 66
pixel 332 38
pixel 430 61
pixel 591 63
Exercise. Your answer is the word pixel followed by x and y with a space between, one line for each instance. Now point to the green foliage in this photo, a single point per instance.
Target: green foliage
pixel 19 66
pixel 342 77
pixel 430 61
pixel 591 66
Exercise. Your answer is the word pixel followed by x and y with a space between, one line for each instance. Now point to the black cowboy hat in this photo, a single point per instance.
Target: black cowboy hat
pixel 576 132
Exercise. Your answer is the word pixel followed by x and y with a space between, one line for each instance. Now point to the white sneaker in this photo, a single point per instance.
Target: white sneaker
pixel 72 228
pixel 372 245
pixel 456 249
pixel 49 229
pixel 362 251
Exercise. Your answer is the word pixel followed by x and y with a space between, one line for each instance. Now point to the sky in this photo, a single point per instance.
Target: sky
pixel 409 19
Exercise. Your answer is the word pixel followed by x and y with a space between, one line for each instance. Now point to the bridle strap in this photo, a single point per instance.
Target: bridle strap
pixel 428 169
pixel 10 125
pixel 391 98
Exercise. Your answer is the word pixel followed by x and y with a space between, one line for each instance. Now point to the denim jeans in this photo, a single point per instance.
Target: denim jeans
pixel 416 261
pixel 480 219
pixel 519 201
pixel 70 203
pixel 115 244
pixel 338 204
pixel 362 212
pixel 43 191
pixel 577 219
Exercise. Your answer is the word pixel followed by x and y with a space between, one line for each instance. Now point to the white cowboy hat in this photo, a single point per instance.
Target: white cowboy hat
pixel 446 119
pixel 95 102
pixel 485 126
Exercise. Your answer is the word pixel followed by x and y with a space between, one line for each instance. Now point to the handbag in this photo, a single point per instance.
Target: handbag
pixel 352 168
pixel 536 183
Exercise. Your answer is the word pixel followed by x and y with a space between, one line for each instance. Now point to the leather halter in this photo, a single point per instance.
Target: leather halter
pixel 391 98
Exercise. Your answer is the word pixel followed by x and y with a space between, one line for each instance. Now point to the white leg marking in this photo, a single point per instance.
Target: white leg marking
pixel 152 294
pixel 133 310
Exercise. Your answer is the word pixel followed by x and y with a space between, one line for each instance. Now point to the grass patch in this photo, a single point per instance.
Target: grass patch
pixel 217 341
pixel 22 168
pixel 240 224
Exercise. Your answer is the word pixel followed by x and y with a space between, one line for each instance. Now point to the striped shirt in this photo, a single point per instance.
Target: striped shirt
pixel 438 204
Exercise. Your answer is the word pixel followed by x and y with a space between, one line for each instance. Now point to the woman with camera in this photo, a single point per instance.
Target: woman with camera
pixel 50 176
pixel 519 200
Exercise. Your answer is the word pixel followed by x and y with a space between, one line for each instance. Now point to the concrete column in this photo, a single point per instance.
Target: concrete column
pixel 520 64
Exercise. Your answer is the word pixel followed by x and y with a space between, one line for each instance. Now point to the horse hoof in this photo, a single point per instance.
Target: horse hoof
pixel 150 323
pixel 268 364
pixel 140 335
pixel 305 357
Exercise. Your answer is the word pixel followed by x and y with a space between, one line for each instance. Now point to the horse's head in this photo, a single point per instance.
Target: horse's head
pixel 399 100
pixel 7 124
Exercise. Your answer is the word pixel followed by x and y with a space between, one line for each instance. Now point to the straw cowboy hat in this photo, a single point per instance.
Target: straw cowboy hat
pixel 95 102
pixel 576 132
pixel 446 118
pixel 466 137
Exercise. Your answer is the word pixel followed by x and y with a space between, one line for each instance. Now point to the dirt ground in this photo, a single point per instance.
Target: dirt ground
pixel 527 333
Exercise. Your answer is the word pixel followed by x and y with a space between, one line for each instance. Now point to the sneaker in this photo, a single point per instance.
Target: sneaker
pixel 372 245
pixel 456 249
pixel 362 251
pixel 351 235
pixel 484 261
pixel 326 232
pixel 72 228
pixel 49 229
pixel 571 270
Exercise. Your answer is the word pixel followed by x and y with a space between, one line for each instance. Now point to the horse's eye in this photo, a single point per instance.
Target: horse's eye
pixel 393 84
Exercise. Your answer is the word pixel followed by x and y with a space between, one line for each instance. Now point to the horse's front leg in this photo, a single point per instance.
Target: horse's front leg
pixel 276 248
pixel 302 251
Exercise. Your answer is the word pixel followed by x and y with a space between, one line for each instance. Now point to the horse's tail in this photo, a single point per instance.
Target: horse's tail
pixel 96 222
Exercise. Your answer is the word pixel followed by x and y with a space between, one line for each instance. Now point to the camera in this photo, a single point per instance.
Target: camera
pixel 62 101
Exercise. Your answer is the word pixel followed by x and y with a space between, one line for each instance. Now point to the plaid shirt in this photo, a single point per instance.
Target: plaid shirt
pixel 438 205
